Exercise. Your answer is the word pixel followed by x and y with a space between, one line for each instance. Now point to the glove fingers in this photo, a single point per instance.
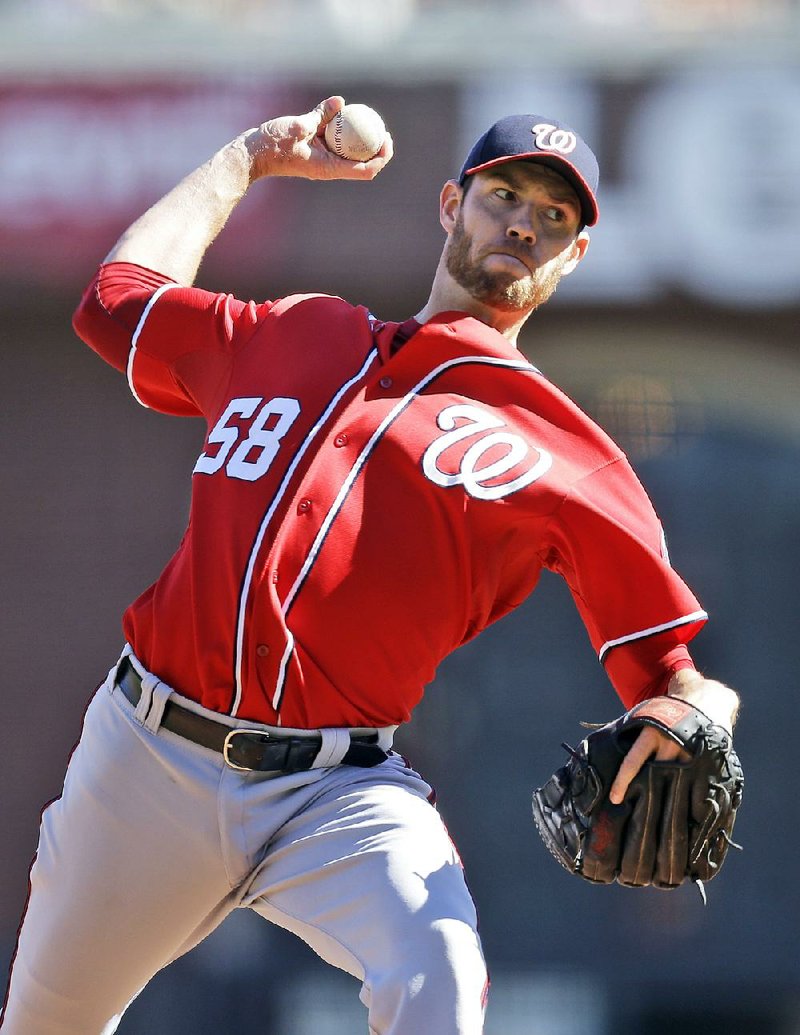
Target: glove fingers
pixel 711 835
pixel 673 840
pixel 677 817
pixel 642 834
pixel 715 801
pixel 556 820
pixel 600 861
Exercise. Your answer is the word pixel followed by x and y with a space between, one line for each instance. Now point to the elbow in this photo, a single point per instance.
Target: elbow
pixel 95 325
pixel 81 321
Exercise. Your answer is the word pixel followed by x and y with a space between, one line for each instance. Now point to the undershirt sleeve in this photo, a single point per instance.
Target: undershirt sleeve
pixel 643 668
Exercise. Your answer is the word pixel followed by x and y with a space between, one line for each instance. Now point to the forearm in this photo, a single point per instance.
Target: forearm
pixel 174 234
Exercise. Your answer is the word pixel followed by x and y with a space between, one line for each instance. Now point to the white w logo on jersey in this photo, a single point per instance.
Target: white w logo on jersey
pixel 549 138
pixel 514 450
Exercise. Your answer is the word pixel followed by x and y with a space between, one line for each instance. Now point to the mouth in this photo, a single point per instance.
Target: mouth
pixel 516 258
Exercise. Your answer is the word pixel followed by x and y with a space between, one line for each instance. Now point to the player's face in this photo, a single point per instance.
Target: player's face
pixel 514 235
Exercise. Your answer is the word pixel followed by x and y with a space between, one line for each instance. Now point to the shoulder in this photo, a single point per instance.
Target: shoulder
pixel 317 305
pixel 321 321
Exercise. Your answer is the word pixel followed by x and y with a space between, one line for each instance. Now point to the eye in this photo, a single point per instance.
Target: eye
pixel 557 215
pixel 505 194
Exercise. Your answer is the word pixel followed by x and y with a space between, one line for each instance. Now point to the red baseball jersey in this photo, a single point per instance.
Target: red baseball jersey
pixel 357 514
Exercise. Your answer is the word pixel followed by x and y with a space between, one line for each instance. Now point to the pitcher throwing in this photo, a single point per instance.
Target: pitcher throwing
pixel 370 495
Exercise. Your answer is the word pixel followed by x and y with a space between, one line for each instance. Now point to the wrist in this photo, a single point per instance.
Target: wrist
pixel 238 163
pixel 719 702
pixel 257 150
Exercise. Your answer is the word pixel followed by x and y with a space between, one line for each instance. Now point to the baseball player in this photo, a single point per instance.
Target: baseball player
pixel 370 495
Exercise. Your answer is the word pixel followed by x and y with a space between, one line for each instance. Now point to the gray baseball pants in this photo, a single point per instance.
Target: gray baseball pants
pixel 155 840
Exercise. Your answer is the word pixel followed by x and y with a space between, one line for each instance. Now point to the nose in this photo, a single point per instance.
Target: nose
pixel 522 229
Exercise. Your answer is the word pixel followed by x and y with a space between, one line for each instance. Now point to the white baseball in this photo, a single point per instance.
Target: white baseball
pixel 356 132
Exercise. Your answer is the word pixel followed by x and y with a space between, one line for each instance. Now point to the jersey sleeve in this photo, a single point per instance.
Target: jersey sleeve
pixel 609 546
pixel 175 344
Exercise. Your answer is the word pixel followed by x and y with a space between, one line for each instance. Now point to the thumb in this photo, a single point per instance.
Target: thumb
pixel 319 117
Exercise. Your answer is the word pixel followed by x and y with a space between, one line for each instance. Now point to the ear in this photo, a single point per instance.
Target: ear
pixel 579 248
pixel 450 205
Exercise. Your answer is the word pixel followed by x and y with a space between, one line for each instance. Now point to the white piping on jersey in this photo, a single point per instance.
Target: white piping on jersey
pixel 664 548
pixel 355 470
pixel 154 298
pixel 287 654
pixel 240 624
pixel 695 616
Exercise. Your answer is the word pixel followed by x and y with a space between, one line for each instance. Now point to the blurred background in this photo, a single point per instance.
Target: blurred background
pixel 678 333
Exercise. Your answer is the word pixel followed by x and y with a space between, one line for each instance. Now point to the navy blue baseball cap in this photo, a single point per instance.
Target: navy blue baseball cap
pixel 539 139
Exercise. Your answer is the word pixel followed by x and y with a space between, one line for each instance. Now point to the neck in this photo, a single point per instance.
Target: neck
pixel 448 296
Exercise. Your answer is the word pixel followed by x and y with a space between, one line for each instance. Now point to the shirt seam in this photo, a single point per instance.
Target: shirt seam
pixel 547 550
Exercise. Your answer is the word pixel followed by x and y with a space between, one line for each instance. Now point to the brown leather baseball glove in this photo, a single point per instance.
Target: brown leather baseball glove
pixel 676 819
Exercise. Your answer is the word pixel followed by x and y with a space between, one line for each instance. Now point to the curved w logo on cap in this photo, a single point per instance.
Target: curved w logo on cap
pixel 551 138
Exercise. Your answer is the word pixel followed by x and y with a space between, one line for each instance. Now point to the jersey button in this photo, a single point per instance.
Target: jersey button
pixel 262 650
pixel 303 506
pixel 385 382
pixel 340 440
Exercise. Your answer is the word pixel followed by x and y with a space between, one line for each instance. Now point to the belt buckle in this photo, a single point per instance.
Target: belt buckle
pixel 226 746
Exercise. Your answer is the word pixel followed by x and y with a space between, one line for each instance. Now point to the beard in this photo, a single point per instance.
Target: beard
pixel 501 291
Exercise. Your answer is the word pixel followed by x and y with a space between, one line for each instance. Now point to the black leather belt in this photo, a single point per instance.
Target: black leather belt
pixel 249 749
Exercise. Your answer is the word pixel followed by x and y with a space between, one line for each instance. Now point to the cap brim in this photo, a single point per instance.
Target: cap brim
pixel 589 210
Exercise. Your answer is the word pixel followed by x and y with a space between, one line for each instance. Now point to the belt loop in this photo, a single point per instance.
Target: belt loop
pixel 157 694
pixel 111 679
pixel 143 704
pixel 335 745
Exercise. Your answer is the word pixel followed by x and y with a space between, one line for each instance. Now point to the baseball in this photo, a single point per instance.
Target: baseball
pixel 356 132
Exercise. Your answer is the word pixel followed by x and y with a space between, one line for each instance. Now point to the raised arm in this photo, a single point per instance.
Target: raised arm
pixel 174 234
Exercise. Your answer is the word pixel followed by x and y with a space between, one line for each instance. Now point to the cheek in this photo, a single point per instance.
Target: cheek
pixel 555 257
pixel 480 224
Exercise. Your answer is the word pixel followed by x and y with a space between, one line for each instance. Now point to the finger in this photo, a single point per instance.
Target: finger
pixel 670 751
pixel 370 169
pixel 644 747
pixel 312 124
pixel 325 111
pixel 387 150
